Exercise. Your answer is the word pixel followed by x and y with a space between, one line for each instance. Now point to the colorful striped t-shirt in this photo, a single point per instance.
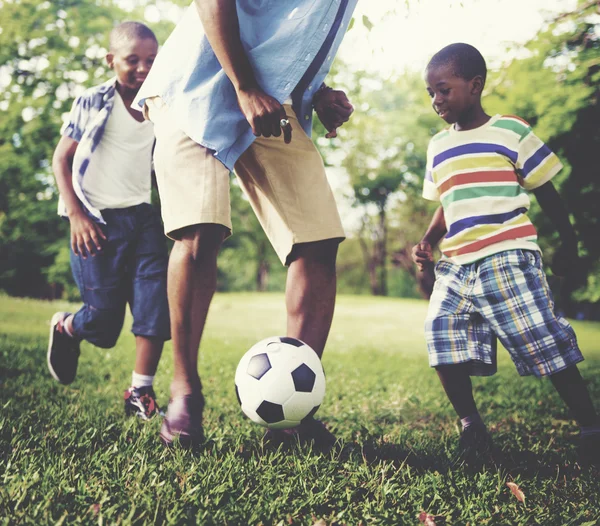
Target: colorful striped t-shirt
pixel 481 177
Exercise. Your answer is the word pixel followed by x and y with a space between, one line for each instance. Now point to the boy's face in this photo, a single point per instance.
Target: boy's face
pixel 452 97
pixel 131 60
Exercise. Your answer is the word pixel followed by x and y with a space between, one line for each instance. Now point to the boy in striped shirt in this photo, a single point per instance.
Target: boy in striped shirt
pixel 490 281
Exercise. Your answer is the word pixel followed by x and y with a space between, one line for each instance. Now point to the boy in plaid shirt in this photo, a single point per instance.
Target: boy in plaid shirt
pixel 490 282
pixel 102 166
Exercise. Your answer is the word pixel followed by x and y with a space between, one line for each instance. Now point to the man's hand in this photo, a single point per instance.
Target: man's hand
pixel 264 114
pixel 565 259
pixel 86 235
pixel 333 109
pixel 422 255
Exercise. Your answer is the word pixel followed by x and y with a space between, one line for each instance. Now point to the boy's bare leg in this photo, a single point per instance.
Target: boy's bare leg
pixel 571 388
pixel 191 284
pixel 147 355
pixel 310 292
pixel 456 382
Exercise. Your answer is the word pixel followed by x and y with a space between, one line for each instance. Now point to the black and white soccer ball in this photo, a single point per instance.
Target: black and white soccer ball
pixel 279 382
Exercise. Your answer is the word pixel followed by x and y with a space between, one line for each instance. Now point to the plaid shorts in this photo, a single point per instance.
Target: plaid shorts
pixel 504 295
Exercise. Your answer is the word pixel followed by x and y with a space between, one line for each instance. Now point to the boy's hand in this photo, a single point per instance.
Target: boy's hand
pixel 264 114
pixel 422 255
pixel 565 259
pixel 86 235
pixel 333 109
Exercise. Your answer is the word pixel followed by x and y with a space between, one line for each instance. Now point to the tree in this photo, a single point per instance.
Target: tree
pixel 557 89
pixel 384 152
pixel 49 53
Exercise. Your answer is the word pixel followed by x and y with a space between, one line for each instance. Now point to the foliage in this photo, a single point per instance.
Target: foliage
pixel 384 153
pixel 556 89
pixel 69 455
pixel 51 51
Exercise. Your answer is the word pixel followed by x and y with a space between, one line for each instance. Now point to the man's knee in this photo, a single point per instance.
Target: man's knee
pixel 319 252
pixel 201 242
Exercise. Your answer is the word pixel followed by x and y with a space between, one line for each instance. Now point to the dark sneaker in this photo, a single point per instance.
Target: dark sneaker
pixel 183 421
pixel 63 351
pixel 141 402
pixel 589 450
pixel 310 430
pixel 475 446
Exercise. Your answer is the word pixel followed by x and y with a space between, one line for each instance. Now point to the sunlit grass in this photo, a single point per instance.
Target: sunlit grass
pixel 69 453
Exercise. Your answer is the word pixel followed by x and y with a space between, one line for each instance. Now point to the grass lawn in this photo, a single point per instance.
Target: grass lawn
pixel 69 455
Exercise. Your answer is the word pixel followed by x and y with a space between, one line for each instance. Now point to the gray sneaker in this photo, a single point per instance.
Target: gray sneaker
pixel 183 421
pixel 63 351
pixel 141 402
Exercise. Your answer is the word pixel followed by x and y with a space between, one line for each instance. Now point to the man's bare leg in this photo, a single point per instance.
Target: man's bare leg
pixel 310 292
pixel 192 281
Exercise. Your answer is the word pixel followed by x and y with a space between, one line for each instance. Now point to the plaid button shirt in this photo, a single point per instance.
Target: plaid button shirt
pixel 86 125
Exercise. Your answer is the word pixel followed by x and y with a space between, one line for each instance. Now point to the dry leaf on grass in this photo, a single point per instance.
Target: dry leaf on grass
pixel 427 519
pixel 320 522
pixel 516 491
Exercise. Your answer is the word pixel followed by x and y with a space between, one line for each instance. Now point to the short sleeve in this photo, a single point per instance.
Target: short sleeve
pixel 430 190
pixel 75 124
pixel 536 163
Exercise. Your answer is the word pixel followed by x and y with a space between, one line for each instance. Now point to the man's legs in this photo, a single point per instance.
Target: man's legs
pixel 310 292
pixel 192 281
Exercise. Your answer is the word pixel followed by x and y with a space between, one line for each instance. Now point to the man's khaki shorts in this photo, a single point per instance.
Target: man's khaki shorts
pixel 285 183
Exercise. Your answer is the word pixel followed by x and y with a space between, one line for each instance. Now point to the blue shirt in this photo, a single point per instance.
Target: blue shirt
pixel 283 39
pixel 86 125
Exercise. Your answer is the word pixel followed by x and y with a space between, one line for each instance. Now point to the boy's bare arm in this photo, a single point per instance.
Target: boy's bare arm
pixel 565 257
pixel 221 26
pixel 422 253
pixel 86 235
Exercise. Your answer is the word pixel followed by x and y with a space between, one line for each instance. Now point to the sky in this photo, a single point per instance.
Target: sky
pixel 407 38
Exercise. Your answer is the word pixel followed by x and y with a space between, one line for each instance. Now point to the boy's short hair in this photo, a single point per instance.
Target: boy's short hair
pixel 129 31
pixel 466 61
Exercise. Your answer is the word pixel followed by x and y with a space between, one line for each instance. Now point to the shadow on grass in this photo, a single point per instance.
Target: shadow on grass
pixel 376 451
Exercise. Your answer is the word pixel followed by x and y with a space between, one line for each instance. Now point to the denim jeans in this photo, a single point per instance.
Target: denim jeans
pixel 130 269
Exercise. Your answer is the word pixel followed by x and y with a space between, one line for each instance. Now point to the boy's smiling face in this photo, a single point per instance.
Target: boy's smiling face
pixel 452 98
pixel 131 60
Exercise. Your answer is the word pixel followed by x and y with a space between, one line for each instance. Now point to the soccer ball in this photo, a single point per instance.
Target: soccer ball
pixel 279 382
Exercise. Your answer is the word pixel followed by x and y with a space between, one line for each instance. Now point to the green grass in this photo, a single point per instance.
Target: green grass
pixel 68 454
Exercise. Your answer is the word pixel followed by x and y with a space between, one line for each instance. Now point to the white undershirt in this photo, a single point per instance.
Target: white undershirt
pixel 119 172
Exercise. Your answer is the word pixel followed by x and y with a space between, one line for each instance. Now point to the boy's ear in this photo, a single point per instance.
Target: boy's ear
pixel 110 59
pixel 477 84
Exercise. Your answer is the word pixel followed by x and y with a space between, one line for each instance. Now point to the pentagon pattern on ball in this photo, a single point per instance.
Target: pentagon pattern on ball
pixel 237 393
pixel 304 378
pixel 270 412
pixel 291 341
pixel 258 366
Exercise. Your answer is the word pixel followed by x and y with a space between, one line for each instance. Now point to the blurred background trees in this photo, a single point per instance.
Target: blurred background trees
pixel 51 51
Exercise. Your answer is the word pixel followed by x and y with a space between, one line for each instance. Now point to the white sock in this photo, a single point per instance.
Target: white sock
pixel 470 420
pixel 589 430
pixel 141 380
pixel 65 328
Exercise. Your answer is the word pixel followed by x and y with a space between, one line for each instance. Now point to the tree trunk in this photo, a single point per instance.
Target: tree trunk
pixel 382 257
pixel 262 269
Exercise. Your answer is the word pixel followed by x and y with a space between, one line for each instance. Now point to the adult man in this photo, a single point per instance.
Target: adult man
pixel 215 95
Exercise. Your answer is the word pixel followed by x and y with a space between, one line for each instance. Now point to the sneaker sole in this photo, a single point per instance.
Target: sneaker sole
pixel 55 319
pixel 185 440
